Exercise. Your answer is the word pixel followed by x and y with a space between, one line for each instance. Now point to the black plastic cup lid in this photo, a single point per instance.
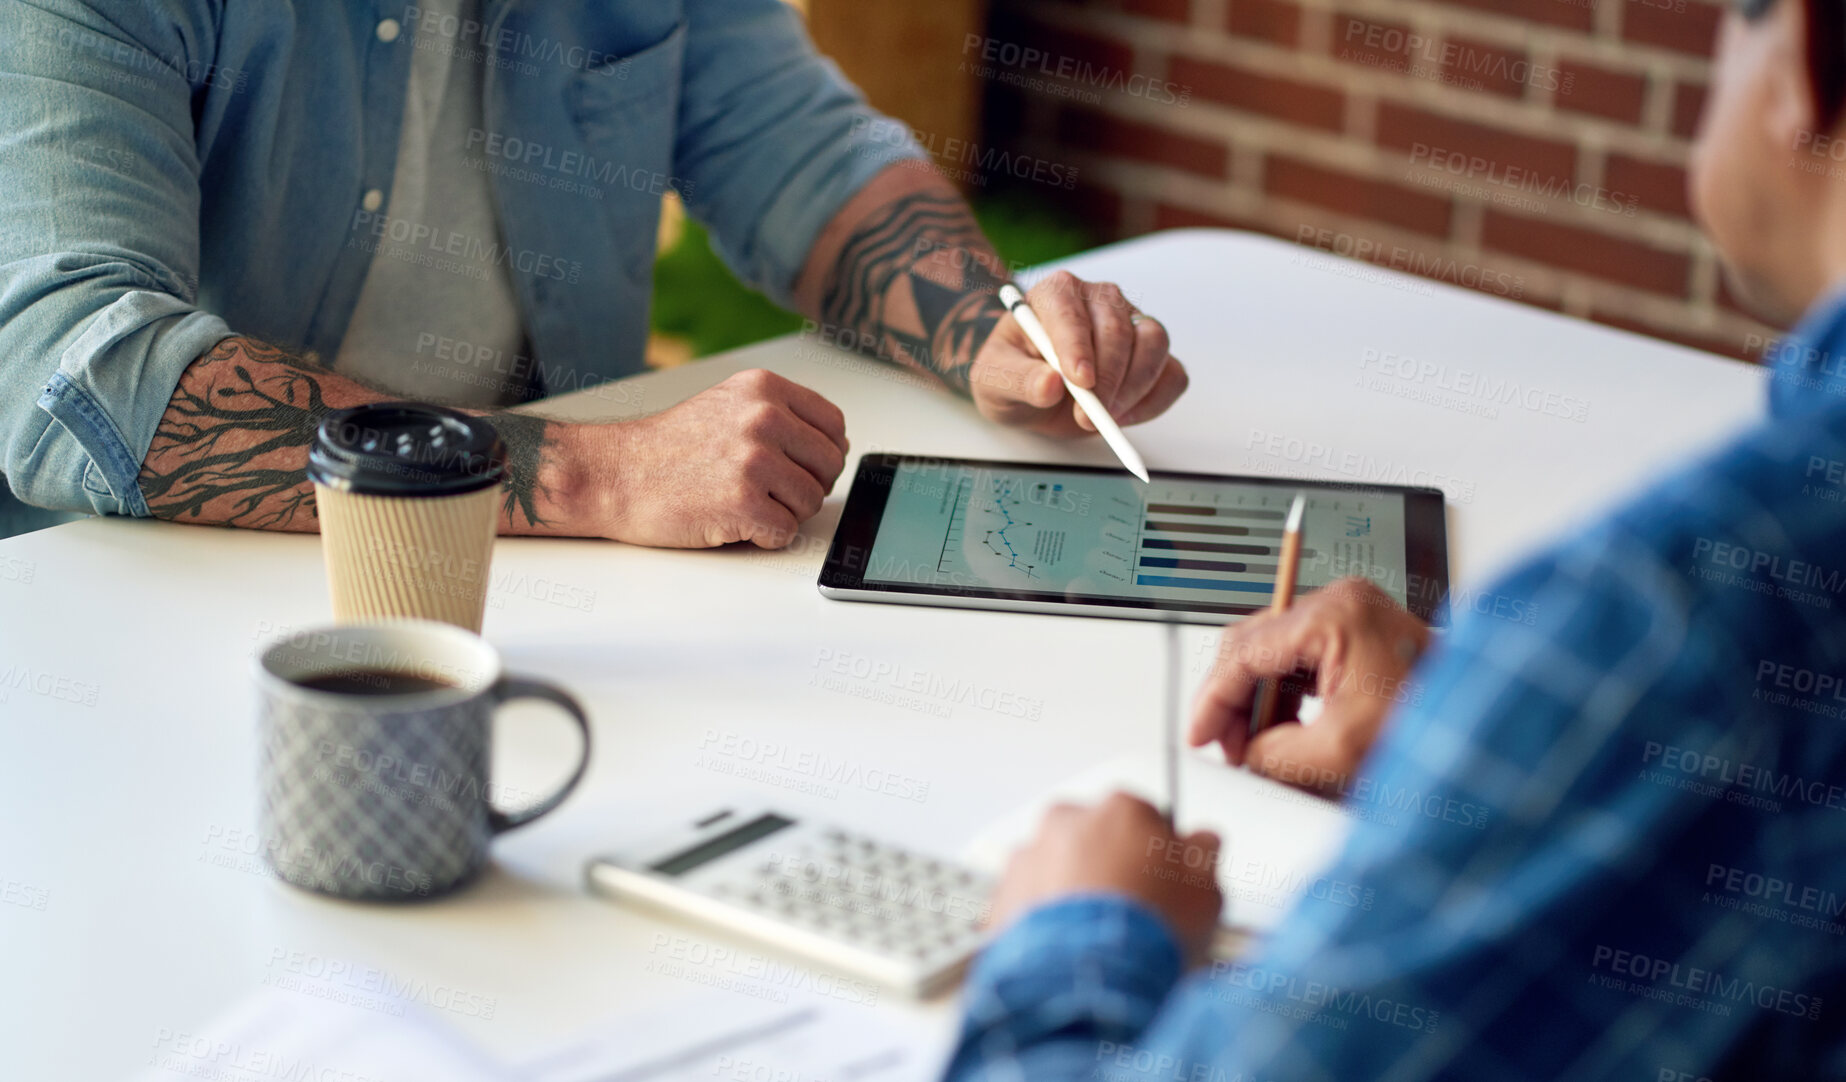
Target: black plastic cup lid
pixel 406 449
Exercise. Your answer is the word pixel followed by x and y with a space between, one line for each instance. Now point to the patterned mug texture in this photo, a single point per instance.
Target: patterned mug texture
pixel 383 797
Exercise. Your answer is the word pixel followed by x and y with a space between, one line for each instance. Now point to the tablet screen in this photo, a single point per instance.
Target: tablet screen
pixel 1189 542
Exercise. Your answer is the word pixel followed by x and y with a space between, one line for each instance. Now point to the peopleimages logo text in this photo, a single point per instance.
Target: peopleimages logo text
pixel 1721 771
pixel 1800 573
pixel 1664 974
pixel 1467 383
pixel 1520 179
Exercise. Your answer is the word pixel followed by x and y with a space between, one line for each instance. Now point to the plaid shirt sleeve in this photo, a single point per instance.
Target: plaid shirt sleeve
pixel 1605 841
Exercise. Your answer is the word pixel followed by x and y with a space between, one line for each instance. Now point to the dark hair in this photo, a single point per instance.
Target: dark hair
pixel 1826 32
pixel 1826 56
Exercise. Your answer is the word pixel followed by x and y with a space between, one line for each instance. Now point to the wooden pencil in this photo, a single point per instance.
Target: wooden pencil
pixel 1288 569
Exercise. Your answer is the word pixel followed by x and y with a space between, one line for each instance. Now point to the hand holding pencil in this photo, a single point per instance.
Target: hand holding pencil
pixel 1357 646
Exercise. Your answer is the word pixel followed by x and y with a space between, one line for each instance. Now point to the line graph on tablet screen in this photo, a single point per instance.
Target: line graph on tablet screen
pixel 1031 532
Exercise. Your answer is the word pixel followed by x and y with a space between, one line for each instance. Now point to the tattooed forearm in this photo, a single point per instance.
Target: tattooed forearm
pixel 913 278
pixel 527 439
pixel 232 448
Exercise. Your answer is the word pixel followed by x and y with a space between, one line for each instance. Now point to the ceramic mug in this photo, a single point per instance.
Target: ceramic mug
pixel 375 753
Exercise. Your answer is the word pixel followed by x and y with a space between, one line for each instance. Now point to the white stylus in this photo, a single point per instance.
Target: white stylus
pixel 1015 302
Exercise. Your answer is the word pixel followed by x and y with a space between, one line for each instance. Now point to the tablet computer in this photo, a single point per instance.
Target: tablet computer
pixel 1095 541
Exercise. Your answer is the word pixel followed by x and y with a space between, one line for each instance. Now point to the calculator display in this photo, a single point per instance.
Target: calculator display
pixel 730 841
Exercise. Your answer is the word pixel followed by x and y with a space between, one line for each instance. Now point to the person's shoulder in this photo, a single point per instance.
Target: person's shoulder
pixel 1780 483
pixel 1744 541
pixel 1751 532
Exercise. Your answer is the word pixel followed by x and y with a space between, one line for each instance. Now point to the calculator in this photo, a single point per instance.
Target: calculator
pixel 903 919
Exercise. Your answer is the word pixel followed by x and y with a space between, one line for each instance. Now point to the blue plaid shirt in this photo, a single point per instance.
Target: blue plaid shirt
pixel 1657 891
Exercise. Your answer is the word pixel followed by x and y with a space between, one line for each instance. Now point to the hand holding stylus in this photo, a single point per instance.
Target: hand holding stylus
pixel 1357 646
pixel 1103 345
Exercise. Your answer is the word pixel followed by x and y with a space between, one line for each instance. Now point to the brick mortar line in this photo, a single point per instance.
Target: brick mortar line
pixel 1465 227
pixel 1539 281
pixel 1657 101
pixel 1261 135
pixel 1533 118
pixel 1210 43
pixel 1606 20
pixel 1197 194
pixel 1205 119
pixel 1534 280
pixel 1649 228
pixel 1161 180
pixel 1679 236
pixel 1208 15
pixel 1576 299
pixel 1707 320
pixel 1512 30
pixel 1592 161
pixel 1526 116
pixel 1705 274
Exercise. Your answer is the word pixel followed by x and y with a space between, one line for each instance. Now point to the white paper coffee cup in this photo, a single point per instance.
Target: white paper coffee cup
pixel 409 502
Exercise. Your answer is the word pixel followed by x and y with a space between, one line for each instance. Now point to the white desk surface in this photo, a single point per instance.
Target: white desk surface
pixel 130 906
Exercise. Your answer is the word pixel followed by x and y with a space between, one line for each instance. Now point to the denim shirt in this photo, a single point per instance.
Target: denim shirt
pixel 173 172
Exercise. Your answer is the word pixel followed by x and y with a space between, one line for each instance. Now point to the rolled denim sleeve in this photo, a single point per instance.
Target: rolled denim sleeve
pixel 99 242
pixel 773 139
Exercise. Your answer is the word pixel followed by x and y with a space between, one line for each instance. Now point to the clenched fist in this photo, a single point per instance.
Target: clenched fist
pixel 1123 847
pixel 748 460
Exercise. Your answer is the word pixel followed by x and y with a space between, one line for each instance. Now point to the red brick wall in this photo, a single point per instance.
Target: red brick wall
pixel 1523 147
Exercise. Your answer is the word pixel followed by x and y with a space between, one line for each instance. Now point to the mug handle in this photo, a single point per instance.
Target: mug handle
pixel 504 691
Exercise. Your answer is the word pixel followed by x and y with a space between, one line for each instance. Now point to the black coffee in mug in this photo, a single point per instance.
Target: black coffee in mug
pixel 371 682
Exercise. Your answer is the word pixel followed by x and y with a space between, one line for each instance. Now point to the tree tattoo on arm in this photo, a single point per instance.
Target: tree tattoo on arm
pixel 917 283
pixel 232 447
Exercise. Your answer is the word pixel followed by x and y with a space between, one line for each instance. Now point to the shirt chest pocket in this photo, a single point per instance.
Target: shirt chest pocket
pixel 626 113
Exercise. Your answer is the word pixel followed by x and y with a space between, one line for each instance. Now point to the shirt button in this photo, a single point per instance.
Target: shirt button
pixel 388 31
pixel 373 199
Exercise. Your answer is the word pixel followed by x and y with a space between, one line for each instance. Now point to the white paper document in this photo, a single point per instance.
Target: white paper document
pixel 277 1035
pixel 711 1036
pixel 1277 840
pixel 723 1037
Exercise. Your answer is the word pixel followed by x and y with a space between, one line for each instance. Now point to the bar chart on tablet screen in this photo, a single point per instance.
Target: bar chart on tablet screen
pixel 1198 540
